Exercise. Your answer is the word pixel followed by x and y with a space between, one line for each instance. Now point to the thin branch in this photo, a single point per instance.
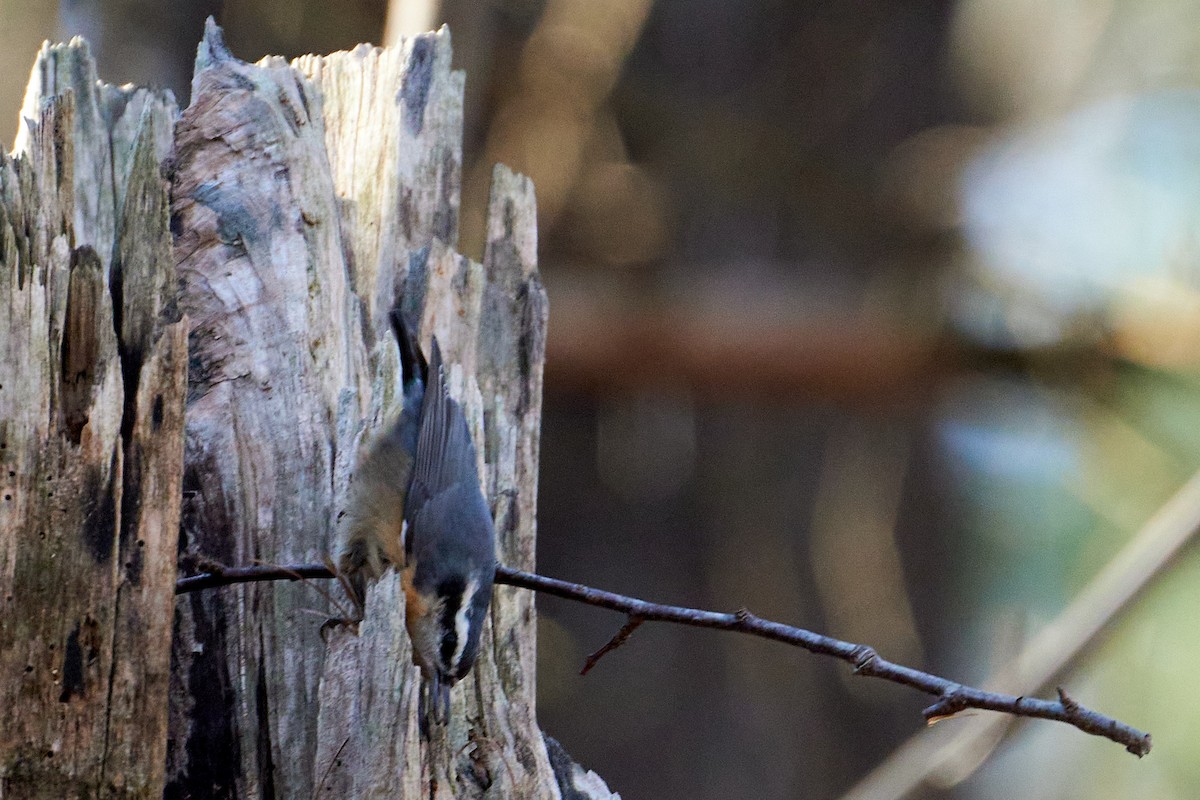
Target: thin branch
pixel 951 697
pixel 621 637
pixel 227 576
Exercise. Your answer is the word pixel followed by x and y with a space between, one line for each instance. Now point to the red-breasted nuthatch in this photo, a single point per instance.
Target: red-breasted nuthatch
pixel 417 505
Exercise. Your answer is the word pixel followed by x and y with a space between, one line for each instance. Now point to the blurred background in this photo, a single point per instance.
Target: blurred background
pixel 880 318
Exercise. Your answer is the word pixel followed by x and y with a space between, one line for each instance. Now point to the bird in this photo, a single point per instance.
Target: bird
pixel 417 505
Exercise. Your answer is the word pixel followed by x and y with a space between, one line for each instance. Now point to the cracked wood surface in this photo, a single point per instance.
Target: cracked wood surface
pixel 92 386
pixel 308 199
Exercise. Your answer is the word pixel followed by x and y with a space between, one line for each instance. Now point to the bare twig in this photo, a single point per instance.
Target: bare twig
pixel 952 697
pixel 622 636
pixel 227 576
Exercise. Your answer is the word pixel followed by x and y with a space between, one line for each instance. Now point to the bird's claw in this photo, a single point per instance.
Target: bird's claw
pixel 337 622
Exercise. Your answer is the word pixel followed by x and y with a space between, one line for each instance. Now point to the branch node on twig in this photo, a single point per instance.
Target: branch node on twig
pixel 1069 705
pixel 743 616
pixel 948 704
pixel 864 660
pixel 616 641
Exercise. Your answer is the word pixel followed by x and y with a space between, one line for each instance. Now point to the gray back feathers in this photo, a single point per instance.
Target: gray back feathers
pixel 445 508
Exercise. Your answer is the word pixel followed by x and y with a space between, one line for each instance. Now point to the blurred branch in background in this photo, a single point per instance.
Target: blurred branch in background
pixel 868 358
pixel 602 345
pixel 929 760
pixel 552 113
pixel 409 17
pixel 853 536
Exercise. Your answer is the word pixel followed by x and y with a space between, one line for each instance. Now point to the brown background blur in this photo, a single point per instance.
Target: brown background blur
pixel 879 318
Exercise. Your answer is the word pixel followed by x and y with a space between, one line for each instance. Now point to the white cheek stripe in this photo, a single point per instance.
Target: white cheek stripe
pixel 462 623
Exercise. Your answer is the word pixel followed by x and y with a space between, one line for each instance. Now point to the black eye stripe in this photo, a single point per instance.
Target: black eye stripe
pixel 451 588
pixel 451 591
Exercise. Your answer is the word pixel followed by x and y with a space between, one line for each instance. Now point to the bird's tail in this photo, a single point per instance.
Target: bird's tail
pixel 412 360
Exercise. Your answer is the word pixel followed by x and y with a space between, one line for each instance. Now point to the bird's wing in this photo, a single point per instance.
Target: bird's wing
pixel 445 453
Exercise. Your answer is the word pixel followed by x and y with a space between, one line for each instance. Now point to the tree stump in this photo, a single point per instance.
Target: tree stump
pixel 245 260
pixel 308 200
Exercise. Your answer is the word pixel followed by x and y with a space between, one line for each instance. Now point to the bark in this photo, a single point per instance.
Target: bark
pixel 92 388
pixel 307 200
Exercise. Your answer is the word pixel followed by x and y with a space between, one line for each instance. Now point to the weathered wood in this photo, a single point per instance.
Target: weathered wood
pixel 309 199
pixel 255 152
pixel 491 322
pixel 393 124
pixel 92 384
pixel 276 386
pixel 306 200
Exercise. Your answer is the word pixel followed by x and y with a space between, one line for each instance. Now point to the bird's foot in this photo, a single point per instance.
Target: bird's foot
pixel 338 622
